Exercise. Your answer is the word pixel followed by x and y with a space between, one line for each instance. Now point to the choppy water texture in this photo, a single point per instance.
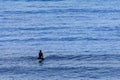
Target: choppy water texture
pixel 80 39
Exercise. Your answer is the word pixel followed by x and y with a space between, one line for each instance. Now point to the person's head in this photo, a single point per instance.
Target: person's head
pixel 40 51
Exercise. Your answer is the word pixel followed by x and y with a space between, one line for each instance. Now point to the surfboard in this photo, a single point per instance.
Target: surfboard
pixel 40 60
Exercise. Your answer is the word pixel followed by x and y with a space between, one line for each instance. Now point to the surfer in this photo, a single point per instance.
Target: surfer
pixel 41 57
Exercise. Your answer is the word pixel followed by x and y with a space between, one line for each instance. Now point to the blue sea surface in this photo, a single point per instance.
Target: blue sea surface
pixel 80 39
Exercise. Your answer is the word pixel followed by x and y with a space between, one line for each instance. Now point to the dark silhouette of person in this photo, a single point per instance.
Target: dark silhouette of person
pixel 41 57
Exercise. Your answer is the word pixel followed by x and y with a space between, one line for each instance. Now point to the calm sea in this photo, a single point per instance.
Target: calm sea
pixel 80 39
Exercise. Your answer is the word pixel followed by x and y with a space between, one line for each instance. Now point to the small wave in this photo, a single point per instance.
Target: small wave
pixel 86 39
pixel 26 58
pixel 82 57
pixel 44 28
pixel 56 57
pixel 33 29
pixel 54 11
pixel 105 28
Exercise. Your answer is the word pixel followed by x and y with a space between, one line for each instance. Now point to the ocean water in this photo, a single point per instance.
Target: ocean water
pixel 80 39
